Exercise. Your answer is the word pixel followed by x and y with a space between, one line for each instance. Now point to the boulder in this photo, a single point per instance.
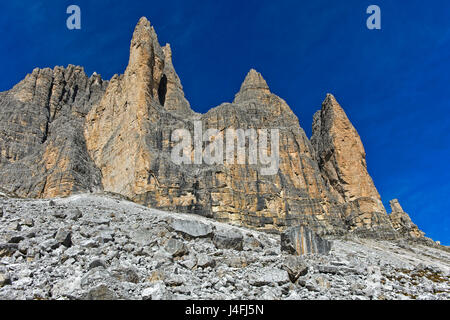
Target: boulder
pixel 295 267
pixel 176 248
pixel 157 291
pixel 64 237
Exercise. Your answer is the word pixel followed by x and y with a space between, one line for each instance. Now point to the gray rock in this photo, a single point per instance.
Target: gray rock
pixel 157 291
pixel 189 263
pixel 127 274
pixel 235 261
pixel 382 269
pixel 60 214
pixel 74 214
pixel 269 276
pixel 328 269
pixel 205 261
pixel 101 292
pixel 105 236
pixel 192 229
pixel 97 263
pixel 89 243
pixel 176 248
pixel 252 244
pixel 73 252
pixel 228 239
pixel 295 267
pixel 16 238
pixel 5 279
pixel 29 222
pixel 49 244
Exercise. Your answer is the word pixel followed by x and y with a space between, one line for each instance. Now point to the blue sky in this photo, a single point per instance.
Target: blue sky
pixel 393 83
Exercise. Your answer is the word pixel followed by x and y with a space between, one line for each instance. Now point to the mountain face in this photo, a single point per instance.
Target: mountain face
pixel 62 132
pixel 42 149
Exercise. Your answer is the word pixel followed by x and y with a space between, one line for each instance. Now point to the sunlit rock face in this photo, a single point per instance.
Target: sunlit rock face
pixel 342 161
pixel 62 132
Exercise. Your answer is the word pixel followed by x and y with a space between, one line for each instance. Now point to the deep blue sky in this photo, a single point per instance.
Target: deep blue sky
pixel 393 83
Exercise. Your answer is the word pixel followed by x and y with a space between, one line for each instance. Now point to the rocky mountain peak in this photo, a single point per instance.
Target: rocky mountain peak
pixel 253 87
pixel 146 63
pixel 341 153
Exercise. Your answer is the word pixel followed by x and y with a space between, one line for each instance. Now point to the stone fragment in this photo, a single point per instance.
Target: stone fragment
pixel 97 263
pixel 157 291
pixel 16 238
pixel 5 279
pixel 189 263
pixel 101 292
pixel 29 222
pixel 192 229
pixel 328 269
pixel 228 239
pixel 295 267
pixel 205 261
pixel 49 244
pixel 269 277
pixel 176 248
pixel 64 237
pixel 127 274
pixel 75 214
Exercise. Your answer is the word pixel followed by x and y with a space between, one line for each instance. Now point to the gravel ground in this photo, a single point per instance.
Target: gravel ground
pixel 93 246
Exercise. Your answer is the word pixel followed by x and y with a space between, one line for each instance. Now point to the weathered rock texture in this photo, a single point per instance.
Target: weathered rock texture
pixel 342 161
pixel 301 240
pixel 62 132
pixel 402 222
pixel 42 153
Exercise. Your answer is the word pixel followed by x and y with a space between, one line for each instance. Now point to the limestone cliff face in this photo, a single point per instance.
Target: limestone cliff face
pixel 62 132
pixel 128 136
pixel 296 193
pixel 42 151
pixel 128 131
pixel 342 161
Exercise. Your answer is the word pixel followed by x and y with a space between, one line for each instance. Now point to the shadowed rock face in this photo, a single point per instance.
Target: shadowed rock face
pixel 42 151
pixel 301 240
pixel 402 222
pixel 63 132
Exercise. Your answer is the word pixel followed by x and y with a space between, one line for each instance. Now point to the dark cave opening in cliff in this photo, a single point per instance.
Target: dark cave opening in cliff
pixel 162 90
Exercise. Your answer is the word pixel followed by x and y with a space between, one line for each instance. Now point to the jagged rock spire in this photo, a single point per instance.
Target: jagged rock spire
pixel 253 87
pixel 341 154
pixel 395 206
pixel 146 63
pixel 402 222
pixel 170 92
